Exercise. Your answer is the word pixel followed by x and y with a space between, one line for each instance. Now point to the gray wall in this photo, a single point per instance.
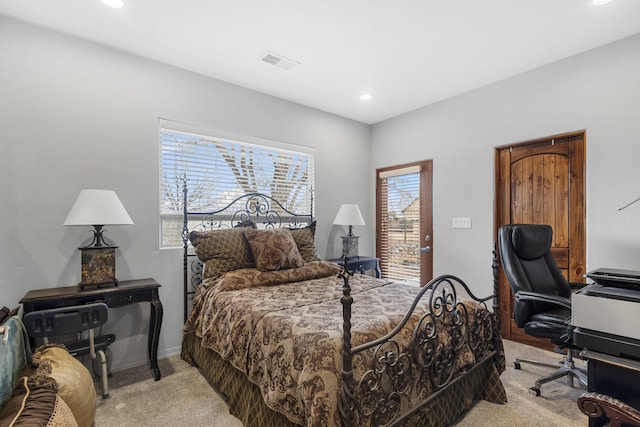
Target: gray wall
pixel 598 91
pixel 76 115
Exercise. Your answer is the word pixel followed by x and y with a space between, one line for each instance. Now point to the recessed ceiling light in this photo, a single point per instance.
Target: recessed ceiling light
pixel 366 97
pixel 601 2
pixel 116 4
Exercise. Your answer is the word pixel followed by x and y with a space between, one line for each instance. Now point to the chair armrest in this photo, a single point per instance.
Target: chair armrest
pixel 596 405
pixel 534 296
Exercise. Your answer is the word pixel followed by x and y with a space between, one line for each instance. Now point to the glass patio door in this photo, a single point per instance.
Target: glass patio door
pixel 404 241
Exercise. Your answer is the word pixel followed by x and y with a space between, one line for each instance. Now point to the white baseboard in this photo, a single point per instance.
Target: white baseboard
pixel 142 360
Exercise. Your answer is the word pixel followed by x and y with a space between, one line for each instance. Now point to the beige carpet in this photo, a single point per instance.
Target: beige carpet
pixel 555 407
pixel 184 398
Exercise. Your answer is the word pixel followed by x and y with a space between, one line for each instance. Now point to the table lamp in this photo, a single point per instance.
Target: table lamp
pixel 98 208
pixel 349 215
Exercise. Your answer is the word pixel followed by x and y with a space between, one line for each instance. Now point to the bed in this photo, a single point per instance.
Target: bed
pixel 289 339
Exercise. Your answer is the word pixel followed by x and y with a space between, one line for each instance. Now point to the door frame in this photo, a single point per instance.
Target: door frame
pixel 577 220
pixel 426 213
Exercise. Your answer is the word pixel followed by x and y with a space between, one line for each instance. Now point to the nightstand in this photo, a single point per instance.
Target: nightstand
pixel 360 264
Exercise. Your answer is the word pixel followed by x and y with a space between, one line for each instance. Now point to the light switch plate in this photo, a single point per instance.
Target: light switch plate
pixel 460 222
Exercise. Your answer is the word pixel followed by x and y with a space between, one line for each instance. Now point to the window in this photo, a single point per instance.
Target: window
pixel 218 169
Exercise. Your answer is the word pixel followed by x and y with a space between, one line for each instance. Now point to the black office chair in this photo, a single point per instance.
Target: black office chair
pixel 58 322
pixel 542 294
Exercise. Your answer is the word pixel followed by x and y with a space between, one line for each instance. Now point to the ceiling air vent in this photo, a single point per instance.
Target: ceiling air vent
pixel 279 60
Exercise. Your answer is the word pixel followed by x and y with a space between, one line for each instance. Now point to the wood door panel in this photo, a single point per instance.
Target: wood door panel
pixel 540 193
pixel 558 146
pixel 577 197
pixel 543 170
pixel 561 208
pixel 542 182
pixel 561 255
pixel 521 194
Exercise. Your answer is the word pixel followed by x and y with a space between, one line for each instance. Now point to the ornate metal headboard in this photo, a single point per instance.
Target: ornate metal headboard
pixel 261 209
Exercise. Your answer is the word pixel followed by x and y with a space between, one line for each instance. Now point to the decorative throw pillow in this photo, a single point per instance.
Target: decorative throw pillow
pixel 15 354
pixel 304 238
pixel 36 405
pixel 273 249
pixel 222 250
pixel 75 385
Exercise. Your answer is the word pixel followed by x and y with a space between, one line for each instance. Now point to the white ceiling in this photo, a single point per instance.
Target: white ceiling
pixel 406 53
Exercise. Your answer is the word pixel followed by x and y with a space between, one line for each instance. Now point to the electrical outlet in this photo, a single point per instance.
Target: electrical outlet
pixel 460 222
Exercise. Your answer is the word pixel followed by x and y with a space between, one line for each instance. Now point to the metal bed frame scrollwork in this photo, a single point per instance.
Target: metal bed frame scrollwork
pixel 261 209
pixel 391 372
pixel 380 397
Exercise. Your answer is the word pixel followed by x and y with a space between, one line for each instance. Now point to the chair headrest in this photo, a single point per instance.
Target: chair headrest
pixel 531 241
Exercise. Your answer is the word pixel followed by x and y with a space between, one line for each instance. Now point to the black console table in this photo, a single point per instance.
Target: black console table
pixel 360 264
pixel 127 292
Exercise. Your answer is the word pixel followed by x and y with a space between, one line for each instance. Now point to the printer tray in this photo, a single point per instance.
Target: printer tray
pixel 615 277
pixel 603 342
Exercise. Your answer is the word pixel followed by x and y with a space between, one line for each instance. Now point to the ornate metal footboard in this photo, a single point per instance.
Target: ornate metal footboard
pixel 385 395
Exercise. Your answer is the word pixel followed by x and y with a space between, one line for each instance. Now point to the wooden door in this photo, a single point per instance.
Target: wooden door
pixel 543 182
pixel 404 222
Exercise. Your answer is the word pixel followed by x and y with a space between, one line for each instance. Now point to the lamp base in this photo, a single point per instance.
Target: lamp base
pixel 350 246
pixel 98 266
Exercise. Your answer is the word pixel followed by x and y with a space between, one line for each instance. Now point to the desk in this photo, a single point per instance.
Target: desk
pixel 360 264
pixel 127 292
pixel 614 376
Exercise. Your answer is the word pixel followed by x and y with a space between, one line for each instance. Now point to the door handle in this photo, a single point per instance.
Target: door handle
pixel 426 248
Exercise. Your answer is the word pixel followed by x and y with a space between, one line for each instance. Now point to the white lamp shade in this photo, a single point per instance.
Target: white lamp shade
pixel 349 215
pixel 98 207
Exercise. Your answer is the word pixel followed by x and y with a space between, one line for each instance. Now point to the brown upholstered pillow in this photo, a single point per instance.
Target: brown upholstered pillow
pixel 36 405
pixel 75 385
pixel 273 249
pixel 304 238
pixel 222 250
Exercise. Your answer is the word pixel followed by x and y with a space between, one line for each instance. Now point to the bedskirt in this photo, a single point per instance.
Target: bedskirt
pixel 246 403
pixel 243 397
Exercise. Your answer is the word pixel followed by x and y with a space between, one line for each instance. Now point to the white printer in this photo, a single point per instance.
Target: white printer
pixel 606 314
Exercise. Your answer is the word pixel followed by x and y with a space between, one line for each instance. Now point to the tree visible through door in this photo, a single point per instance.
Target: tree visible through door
pixel 404 222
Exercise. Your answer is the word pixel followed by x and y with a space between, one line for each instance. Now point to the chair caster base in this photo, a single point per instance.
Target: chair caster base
pixel 534 391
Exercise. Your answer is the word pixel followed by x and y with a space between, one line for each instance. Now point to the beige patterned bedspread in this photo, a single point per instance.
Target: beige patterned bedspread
pixel 284 330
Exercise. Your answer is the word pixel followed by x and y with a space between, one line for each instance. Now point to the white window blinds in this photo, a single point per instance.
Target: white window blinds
pixel 218 170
